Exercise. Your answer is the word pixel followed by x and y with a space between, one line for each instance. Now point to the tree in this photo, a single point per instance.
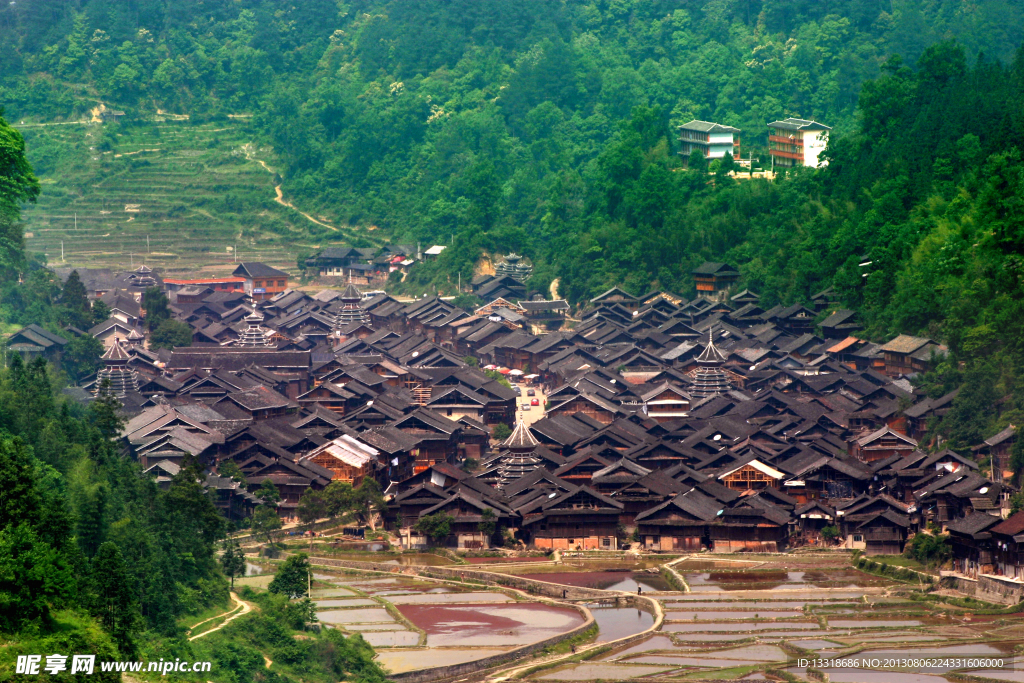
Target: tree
pixel 488 523
pixel 267 492
pixel 32 575
pixel 501 431
pixel 312 507
pixel 369 502
pixel 1016 460
pixel 265 522
pixel 468 302
pixel 100 311
pixel 293 578
pixel 115 602
pixel 233 560
pixel 155 304
pixel 169 334
pixel 106 411
pixel 929 549
pixel 18 184
pixel 437 527
pixel 339 498
pixel 230 468
pixel 81 356
pixel 20 502
pixel 830 533
pixel 75 301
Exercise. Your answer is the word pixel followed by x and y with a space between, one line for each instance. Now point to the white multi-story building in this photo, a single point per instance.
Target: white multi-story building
pixel 713 140
pixel 797 142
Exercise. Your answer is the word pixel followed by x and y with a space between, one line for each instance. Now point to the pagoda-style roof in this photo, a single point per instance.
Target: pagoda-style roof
pixel 711 354
pixel 115 352
pixel 521 439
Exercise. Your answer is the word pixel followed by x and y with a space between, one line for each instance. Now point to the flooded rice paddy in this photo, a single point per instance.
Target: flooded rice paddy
pixel 739 620
pixel 618 622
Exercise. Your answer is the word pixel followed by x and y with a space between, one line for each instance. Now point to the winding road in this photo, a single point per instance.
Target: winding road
pixel 242 607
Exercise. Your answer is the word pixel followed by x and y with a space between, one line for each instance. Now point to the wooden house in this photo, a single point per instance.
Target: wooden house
pixel 750 475
pixel 468 513
pixel 711 277
pixel 1008 547
pixel 885 533
pixel 750 528
pixel 261 281
pixel 972 545
pixel 811 518
pixel 348 459
pixel 678 524
pixel 591 405
pixel 666 402
pixel 906 355
pixel 437 437
pixel 999 449
pixel 579 519
pixel 32 341
pixel 882 444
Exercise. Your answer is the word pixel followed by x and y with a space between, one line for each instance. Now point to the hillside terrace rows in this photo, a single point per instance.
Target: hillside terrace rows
pixel 184 187
pixel 796 433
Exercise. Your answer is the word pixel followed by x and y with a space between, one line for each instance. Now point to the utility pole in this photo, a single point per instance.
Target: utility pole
pixel 62 251
pixel 147 245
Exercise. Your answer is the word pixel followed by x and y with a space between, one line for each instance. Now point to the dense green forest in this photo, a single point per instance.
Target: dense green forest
pixel 493 124
pixel 547 128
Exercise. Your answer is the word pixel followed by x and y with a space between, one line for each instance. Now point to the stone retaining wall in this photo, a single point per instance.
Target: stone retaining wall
pixel 988 588
pixel 529 586
pixel 996 589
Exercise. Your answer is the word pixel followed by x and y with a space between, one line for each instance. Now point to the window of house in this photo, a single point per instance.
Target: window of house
pixel 280 283
pixel 606 542
pixel 857 538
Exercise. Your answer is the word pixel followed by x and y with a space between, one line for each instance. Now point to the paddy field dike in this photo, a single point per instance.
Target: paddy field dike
pixel 732 618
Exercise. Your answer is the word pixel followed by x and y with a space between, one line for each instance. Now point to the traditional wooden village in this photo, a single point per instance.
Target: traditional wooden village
pixel 644 421
pixel 641 485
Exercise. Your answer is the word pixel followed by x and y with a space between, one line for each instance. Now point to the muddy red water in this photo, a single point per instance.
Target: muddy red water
pixel 491 625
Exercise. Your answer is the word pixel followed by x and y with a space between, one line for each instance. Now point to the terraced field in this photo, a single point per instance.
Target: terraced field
pixel 180 196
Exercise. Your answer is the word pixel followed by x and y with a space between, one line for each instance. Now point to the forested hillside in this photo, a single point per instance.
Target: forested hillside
pixel 496 124
pixel 548 128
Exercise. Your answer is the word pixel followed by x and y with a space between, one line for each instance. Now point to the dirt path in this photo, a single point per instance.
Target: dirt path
pixel 284 202
pixel 243 607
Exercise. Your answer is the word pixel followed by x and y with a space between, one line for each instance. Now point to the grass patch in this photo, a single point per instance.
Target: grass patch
pixel 894 572
pixel 976 606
